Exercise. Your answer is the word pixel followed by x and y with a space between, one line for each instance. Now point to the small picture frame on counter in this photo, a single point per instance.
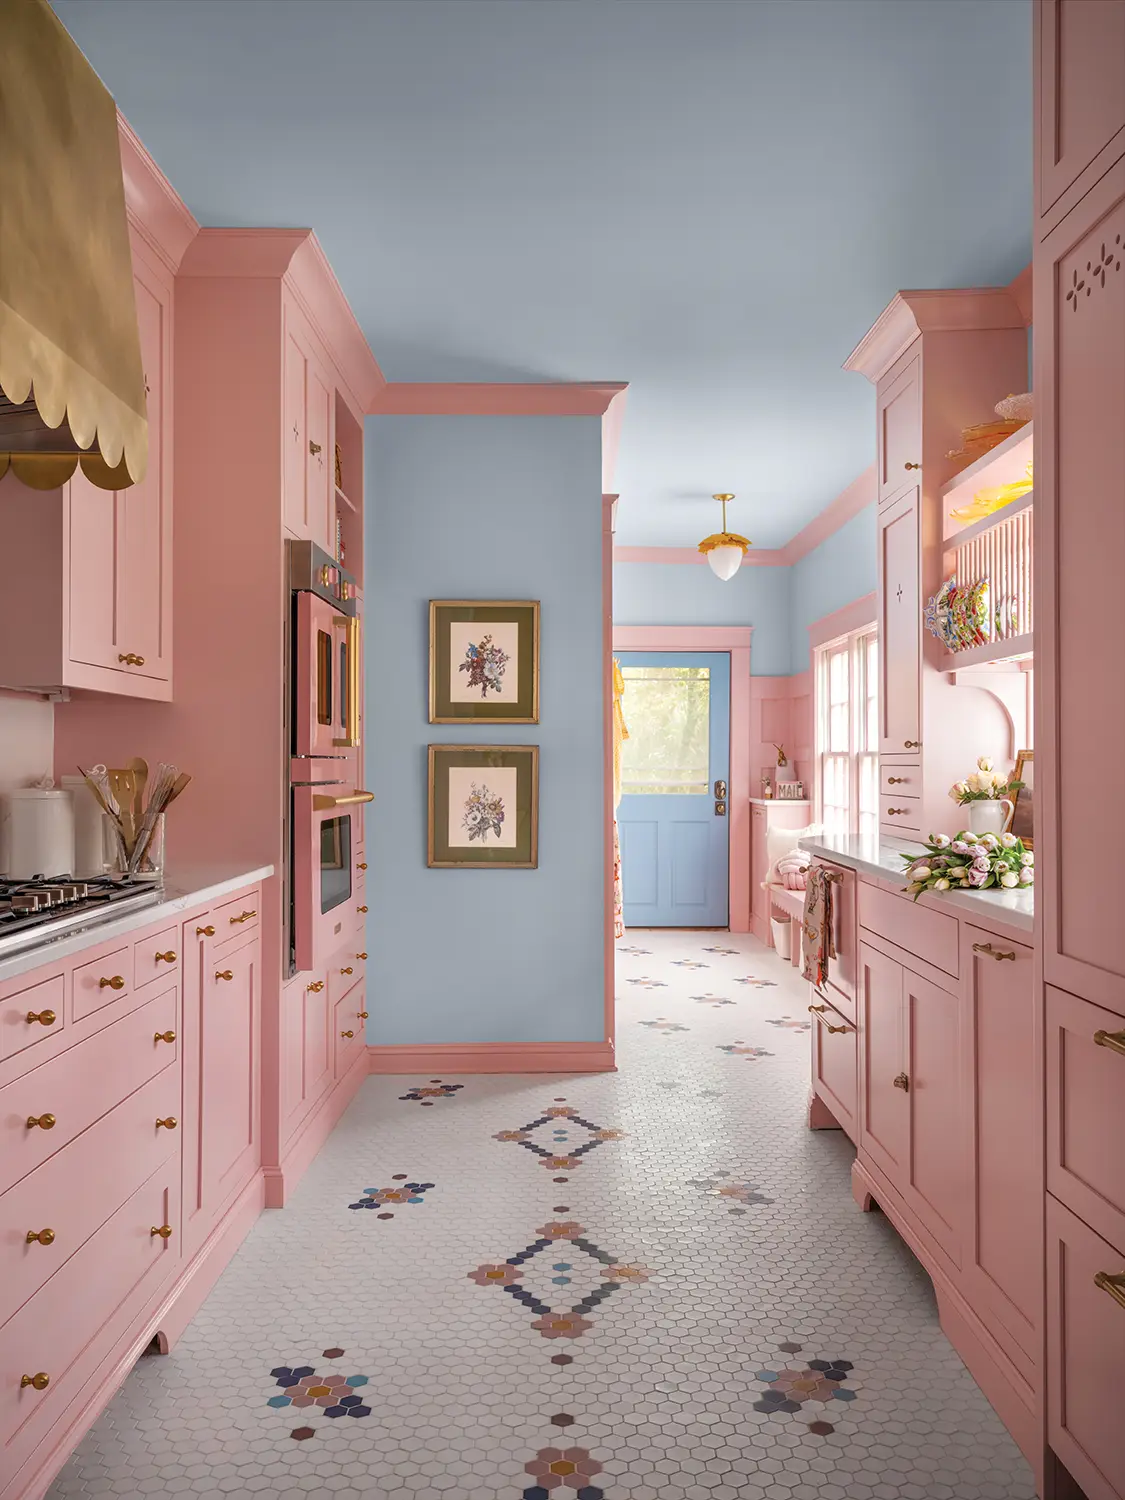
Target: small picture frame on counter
pixel 1022 822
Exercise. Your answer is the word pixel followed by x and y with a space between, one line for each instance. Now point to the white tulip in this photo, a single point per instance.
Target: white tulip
pixel 921 872
pixel 1009 880
pixel 941 885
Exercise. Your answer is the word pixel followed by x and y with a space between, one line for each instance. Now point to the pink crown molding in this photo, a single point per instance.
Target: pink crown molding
pixel 613 420
pixel 910 313
pixel 482 399
pixel 854 616
pixel 154 208
pixel 295 254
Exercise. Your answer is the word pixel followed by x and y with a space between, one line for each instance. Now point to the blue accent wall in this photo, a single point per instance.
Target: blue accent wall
pixel 843 568
pixel 687 594
pixel 486 508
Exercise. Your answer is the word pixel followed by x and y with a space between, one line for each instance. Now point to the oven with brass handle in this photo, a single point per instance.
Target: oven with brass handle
pixel 325 801
pixel 169 1124
pixel 990 952
pixel 38 1382
pixel 349 740
pixel 40 1237
pixel 166 958
pixel 244 917
pixel 1114 1285
pixel 116 983
pixel 40 1122
pixel 164 1036
pixel 1114 1040
pixel 162 1231
pixel 44 1017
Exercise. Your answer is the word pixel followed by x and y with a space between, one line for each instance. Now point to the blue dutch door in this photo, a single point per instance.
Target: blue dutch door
pixel 673 817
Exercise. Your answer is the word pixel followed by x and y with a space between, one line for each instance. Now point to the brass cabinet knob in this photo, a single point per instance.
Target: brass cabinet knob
pixel 44 1122
pixel 895 780
pixel 347 1033
pixel 912 466
pixel 131 659
pixel 361 955
pixel 902 1082
pixel 164 1231
pixel 912 744
pixel 362 866
pixel 44 1017
pixel 224 973
pixel 245 917
pixel 205 932
pixel 894 812
pixel 316 986
pixel 348 970
pixel 362 1014
pixel 166 958
pixel 40 1237
pixel 1114 1040
pixel 361 908
pixel 116 983
pixel 38 1382
pixel 169 1124
pixel 164 1036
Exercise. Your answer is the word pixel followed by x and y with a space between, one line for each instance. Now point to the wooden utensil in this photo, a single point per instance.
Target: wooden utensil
pixel 139 768
pixel 121 784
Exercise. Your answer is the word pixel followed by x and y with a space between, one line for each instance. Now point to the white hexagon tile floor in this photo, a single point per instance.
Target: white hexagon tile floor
pixel 648 1285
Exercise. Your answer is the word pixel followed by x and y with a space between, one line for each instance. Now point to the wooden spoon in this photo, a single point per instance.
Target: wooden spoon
pixel 139 768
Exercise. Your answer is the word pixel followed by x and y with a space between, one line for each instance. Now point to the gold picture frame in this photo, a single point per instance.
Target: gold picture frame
pixel 498 684
pixel 482 807
pixel 1022 821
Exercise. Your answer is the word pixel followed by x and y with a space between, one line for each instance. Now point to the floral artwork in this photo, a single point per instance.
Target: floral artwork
pixel 483 813
pixel 485 662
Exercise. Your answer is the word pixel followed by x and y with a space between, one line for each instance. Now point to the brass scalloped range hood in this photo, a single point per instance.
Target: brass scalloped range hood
pixel 72 387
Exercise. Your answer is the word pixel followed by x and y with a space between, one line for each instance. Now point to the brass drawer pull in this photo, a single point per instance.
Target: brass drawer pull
pixel 245 917
pixel 44 1122
pixel 164 1231
pixel 44 1017
pixel 131 659
pixel 1114 1040
pixel 912 744
pixel 205 932
pixel 346 971
pixel 40 1237
pixel 818 1010
pixel 166 958
pixel 164 1036
pixel 316 986
pixel 896 780
pixel 224 973
pixel 361 908
pixel 347 1033
pixel 116 983
pixel 992 952
pixel 39 1382
pixel 901 1081
pixel 362 1014
pixel 361 955
pixel 1114 1285
pixel 362 866
pixel 169 1124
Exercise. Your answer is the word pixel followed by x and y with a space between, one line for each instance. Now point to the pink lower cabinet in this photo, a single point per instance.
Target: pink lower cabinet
pixel 834 1063
pixel 1085 1353
pixel 884 1111
pixel 306 1043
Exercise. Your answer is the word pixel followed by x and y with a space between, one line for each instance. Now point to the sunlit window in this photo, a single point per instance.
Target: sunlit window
pixel 847 734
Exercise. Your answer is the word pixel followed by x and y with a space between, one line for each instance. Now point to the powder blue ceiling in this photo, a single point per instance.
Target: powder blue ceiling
pixel 711 199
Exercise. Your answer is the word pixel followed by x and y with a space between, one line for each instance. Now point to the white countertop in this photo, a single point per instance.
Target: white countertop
pixel 881 858
pixel 183 888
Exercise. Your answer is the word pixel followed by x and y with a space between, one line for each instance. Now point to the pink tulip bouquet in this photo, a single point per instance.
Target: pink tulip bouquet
pixel 970 862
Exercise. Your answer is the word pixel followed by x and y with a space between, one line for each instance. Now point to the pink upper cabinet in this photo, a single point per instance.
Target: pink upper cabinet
pixel 899 628
pixel 899 434
pixel 1081 62
pixel 307 436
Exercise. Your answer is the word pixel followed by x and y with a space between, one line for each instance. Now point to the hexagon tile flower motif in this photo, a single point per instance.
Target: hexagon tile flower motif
pixel 425 1095
pixel 409 1192
pixel 554 1468
pixel 554 1149
pixel 740 1049
pixel 821 1380
pixel 334 1395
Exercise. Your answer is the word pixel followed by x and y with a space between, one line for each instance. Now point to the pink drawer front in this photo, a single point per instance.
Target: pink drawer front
pixel 156 957
pixel 32 1016
pixel 349 1036
pixel 1086 1112
pixel 234 918
pixel 101 982
pixel 927 934
pixel 81 1186
pixel 835 1075
pixel 82 1314
pixel 67 1094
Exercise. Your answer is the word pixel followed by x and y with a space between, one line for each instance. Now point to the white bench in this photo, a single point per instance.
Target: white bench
pixel 791 904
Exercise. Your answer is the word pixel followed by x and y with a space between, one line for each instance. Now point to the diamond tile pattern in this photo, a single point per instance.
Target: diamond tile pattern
pixel 763 1340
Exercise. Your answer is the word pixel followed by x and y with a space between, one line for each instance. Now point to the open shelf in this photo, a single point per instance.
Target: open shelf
pixel 1004 464
pixel 342 499
pixel 1015 648
pixel 988 523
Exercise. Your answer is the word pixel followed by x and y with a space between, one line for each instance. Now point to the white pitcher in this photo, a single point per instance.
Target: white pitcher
pixel 990 815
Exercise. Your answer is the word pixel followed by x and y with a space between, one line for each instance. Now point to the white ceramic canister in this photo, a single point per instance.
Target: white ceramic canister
pixel 39 828
pixel 92 853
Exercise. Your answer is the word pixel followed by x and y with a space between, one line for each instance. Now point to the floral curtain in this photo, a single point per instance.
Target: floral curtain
pixel 620 735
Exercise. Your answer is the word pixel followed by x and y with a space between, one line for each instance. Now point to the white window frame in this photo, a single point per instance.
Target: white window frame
pixel 860 759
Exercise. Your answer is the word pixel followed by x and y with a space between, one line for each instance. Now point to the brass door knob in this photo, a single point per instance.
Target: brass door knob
pixel 164 1231
pixel 205 932
pixel 361 955
pixel 164 1036
pixel 40 1236
pixel 361 908
pixel 912 466
pixel 902 1082
pixel 131 659
pixel 895 780
pixel 224 973
pixel 362 866
pixel 347 1033
pixel 362 1014
pixel 169 1124
pixel 346 971
pixel 166 958
pixel 316 986
pixel 44 1017
pixel 39 1382
pixel 245 917
pixel 116 983
pixel 44 1122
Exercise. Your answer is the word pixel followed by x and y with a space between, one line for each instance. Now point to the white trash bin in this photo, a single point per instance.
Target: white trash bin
pixel 782 929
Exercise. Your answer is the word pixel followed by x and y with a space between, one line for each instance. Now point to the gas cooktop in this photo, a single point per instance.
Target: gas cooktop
pixel 48 907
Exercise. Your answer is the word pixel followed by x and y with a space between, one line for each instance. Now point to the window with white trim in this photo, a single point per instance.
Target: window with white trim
pixel 847 733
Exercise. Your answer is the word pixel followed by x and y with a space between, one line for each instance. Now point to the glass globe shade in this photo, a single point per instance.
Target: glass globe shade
pixel 725 561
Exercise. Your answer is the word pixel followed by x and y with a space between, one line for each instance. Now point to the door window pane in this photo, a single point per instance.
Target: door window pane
pixel 668 711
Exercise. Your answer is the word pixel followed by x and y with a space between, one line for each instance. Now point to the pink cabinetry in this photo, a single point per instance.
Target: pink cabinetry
pixel 899 633
pixel 308 432
pixel 899 437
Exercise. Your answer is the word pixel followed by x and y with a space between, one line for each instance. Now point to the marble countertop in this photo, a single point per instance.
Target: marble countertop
pixel 183 888
pixel 882 858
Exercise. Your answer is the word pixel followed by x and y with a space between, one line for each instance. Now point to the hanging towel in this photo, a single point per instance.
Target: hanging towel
pixel 818 945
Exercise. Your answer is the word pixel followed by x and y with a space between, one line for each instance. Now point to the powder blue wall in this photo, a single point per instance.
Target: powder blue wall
pixel 487 508
pixel 843 568
pixel 688 594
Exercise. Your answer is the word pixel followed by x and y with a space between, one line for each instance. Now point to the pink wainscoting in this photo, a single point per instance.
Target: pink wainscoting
pixel 494 1057
pixel 734 639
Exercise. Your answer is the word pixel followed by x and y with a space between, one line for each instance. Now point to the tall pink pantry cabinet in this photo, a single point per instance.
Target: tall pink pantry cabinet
pixel 1079 292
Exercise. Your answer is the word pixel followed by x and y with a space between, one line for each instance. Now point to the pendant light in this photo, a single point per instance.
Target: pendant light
pixel 725 549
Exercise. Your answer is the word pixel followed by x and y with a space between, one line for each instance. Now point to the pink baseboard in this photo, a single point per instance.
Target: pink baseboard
pixel 302 1149
pixel 494 1057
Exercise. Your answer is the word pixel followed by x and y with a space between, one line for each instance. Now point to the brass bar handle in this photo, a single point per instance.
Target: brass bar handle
pixel 361 1015
pixel 347 1033
pixel 817 1009
pixel 116 983
pixel 361 908
pixel 245 917
pixel 164 1231
pixel 205 932
pixel 43 1122
pixel 901 1081
pixel 166 958
pixel 361 955
pixel 224 973
pixel 1114 1040
pixel 346 971
pixel 40 1237
pixel 131 659
pixel 44 1017
pixel 1114 1285
pixel 169 1124
pixel 992 952
pixel 38 1382
pixel 323 802
pixel 316 986
pixel 164 1036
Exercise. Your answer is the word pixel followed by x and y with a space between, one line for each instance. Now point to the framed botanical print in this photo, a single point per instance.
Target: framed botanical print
pixel 483 807
pixel 484 661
